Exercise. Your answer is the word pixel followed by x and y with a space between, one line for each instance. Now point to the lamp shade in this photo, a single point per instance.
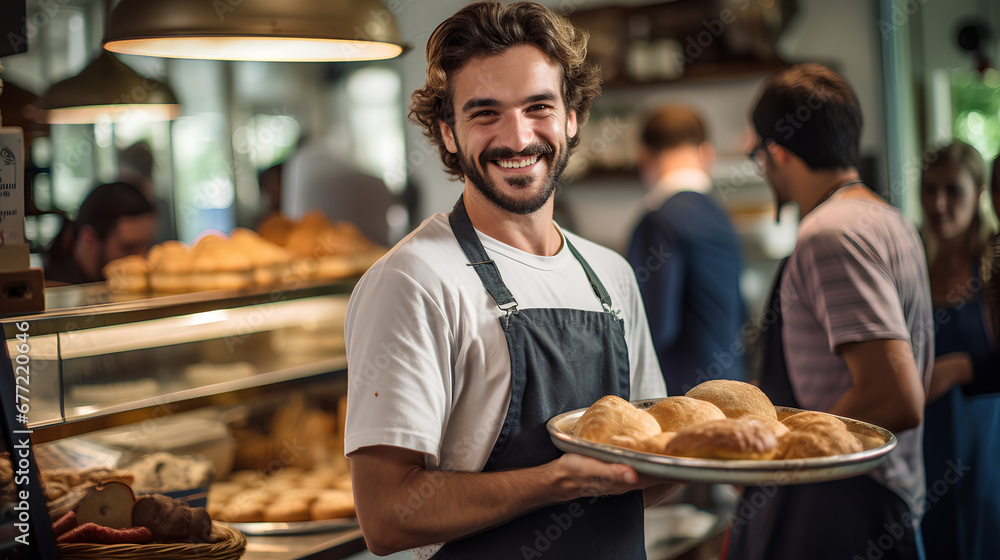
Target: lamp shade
pixel 262 30
pixel 107 86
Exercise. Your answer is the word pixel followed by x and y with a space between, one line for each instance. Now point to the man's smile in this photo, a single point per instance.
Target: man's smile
pixel 517 163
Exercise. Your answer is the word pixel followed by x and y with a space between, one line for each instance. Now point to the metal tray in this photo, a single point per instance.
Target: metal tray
pixel 741 472
pixel 296 528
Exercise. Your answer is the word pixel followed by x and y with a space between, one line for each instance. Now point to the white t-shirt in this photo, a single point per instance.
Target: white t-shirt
pixel 858 273
pixel 428 365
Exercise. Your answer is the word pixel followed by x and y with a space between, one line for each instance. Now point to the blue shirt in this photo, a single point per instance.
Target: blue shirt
pixel 687 259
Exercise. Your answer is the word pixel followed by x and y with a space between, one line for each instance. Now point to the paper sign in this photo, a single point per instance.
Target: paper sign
pixel 11 186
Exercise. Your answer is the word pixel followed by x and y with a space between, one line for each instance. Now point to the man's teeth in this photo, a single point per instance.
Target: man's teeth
pixel 516 164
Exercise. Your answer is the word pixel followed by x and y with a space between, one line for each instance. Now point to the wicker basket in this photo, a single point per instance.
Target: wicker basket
pixel 231 547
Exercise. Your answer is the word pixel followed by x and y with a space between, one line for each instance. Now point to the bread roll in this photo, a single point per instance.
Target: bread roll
pixel 169 267
pixel 332 504
pixel 817 439
pixel 731 438
pixel 796 421
pixel 674 413
pixel 734 398
pixel 170 520
pixel 777 428
pixel 127 275
pixel 611 416
pixel 287 511
pixel 655 444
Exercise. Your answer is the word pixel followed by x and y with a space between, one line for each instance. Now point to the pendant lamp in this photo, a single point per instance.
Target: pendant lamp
pixel 261 30
pixel 106 87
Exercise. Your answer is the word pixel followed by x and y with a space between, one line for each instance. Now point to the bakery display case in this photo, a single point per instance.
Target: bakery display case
pixel 114 378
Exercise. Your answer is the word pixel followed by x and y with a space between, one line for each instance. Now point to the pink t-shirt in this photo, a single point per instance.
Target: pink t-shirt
pixel 858 273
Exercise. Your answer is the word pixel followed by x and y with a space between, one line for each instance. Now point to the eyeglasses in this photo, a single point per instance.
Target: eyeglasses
pixel 757 155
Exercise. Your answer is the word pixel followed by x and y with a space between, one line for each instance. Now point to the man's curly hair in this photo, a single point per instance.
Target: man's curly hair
pixel 489 29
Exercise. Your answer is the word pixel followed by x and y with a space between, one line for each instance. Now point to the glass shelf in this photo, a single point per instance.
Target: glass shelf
pixel 94 354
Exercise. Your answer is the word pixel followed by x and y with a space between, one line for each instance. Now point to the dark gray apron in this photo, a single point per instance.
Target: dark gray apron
pixel 839 520
pixel 561 359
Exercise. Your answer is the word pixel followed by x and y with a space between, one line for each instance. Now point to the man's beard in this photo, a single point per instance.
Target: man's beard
pixel 484 183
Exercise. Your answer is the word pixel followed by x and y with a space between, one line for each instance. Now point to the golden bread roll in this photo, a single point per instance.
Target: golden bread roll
pixel 288 511
pixel 614 416
pixel 655 444
pixel 817 439
pixel 785 413
pixel 170 267
pixel 734 398
pixel 796 421
pixel 625 442
pixel 867 437
pixel 220 264
pixel 777 428
pixel 731 438
pixel 239 511
pixel 127 275
pixel 674 413
pixel 332 504
pixel 275 228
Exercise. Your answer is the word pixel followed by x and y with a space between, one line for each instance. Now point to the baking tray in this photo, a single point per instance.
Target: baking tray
pixel 296 528
pixel 740 472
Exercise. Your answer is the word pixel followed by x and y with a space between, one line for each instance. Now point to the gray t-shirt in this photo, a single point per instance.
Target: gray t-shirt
pixel 858 273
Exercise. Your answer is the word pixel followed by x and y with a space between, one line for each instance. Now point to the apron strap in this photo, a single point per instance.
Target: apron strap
pixel 595 282
pixel 478 259
pixel 774 379
pixel 490 274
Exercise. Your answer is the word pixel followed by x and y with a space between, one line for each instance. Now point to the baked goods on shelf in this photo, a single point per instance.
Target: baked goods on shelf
pixel 292 470
pixel 285 250
pixel 720 419
pixel 165 472
pixel 109 512
pixel 127 275
pixel 322 249
pixel 64 488
pixel 286 495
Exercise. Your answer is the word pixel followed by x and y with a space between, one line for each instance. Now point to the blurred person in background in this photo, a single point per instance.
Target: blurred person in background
pixel 962 422
pixel 115 220
pixel 318 177
pixel 852 334
pixel 687 256
pixel 135 167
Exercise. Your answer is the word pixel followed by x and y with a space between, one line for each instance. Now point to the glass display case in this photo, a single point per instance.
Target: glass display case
pixel 94 354
pixel 95 360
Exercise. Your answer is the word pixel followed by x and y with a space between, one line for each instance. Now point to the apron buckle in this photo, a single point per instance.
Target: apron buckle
pixel 510 307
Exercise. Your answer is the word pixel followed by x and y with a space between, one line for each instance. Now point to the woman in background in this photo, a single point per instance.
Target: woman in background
pixel 962 419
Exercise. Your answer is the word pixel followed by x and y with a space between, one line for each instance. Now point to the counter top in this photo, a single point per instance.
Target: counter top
pixel 316 546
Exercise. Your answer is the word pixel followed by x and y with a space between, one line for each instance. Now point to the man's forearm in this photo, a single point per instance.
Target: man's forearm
pixel 426 507
pixel 438 506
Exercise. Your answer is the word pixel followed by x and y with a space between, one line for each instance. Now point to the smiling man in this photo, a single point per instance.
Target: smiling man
pixel 484 323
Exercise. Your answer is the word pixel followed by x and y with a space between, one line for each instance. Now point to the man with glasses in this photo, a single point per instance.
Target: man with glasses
pixel 853 335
